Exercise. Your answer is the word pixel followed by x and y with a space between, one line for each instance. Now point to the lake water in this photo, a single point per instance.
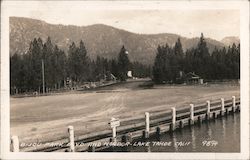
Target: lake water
pixel 220 135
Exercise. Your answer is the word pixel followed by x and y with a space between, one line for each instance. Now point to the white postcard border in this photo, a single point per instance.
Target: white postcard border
pixel 243 6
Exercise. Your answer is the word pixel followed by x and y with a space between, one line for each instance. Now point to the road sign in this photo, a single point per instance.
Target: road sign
pixel 114 123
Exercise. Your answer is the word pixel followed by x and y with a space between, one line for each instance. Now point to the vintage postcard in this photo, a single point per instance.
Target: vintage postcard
pixel 124 79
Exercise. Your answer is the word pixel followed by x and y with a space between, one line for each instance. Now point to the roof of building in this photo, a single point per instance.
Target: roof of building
pixel 192 75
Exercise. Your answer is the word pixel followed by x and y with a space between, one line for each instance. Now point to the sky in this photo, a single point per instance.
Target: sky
pixel 214 23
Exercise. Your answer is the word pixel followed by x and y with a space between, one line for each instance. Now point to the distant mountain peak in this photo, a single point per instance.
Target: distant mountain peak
pixel 229 40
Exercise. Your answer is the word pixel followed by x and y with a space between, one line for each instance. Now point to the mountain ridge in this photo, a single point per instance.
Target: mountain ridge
pixel 99 39
pixel 229 40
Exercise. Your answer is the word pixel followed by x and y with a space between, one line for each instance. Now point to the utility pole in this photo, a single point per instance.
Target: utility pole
pixel 43 76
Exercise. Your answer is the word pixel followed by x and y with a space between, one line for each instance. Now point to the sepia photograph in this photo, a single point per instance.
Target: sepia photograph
pixel 125 77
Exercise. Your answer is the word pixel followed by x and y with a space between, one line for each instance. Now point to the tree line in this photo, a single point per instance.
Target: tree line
pixel 75 64
pixel 171 62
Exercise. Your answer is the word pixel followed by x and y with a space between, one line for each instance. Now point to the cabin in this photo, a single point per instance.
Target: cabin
pixel 192 78
pixel 108 76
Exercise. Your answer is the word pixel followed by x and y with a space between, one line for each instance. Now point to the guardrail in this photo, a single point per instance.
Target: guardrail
pixel 126 130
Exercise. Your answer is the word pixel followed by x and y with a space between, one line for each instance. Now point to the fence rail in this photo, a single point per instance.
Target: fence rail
pixel 138 127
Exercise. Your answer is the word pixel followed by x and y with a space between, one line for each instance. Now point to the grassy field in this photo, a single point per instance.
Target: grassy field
pixel 46 118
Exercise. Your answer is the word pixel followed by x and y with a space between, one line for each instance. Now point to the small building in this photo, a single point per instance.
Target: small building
pixel 108 76
pixel 192 78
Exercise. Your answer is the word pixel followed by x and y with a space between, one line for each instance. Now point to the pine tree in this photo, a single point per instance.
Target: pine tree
pixel 34 65
pixel 189 60
pixel 160 65
pixel 237 61
pixel 178 61
pixel 78 63
pixel 202 58
pixel 72 62
pixel 59 67
pixel 178 49
pixel 123 64
pixel 48 56
pixel 84 63
pixel 15 73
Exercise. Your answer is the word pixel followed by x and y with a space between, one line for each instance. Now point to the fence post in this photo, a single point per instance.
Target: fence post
pixel 113 124
pixel 71 138
pixel 208 110
pixel 114 134
pixel 15 143
pixel 191 121
pixel 234 104
pixel 173 111
pixel 147 124
pixel 222 107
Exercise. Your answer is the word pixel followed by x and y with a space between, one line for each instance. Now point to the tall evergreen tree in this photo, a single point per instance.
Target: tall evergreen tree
pixel 48 58
pixel 202 58
pixel 160 65
pixel 72 62
pixel 237 63
pixel 79 63
pixel 84 63
pixel 59 67
pixel 123 64
pixel 177 60
pixel 16 77
pixel 34 65
pixel 189 60
pixel 178 50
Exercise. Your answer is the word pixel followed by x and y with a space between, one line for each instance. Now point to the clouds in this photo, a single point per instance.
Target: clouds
pixel 190 23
